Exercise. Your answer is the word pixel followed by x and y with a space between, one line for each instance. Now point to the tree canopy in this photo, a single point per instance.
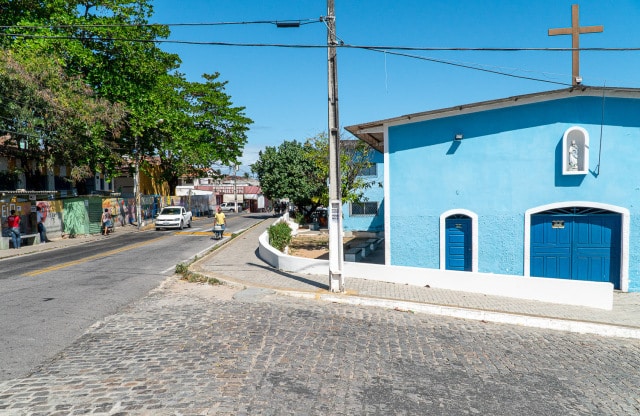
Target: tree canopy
pixel 300 172
pixel 288 172
pixel 86 85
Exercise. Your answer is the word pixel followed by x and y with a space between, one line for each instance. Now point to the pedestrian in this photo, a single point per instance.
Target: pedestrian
pixel 106 221
pixel 13 222
pixel 42 230
pixel 219 223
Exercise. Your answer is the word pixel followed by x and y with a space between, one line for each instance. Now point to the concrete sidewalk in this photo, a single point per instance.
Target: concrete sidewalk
pixel 237 263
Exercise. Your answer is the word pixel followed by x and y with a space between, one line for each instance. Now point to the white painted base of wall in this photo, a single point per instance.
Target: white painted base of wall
pixel 566 292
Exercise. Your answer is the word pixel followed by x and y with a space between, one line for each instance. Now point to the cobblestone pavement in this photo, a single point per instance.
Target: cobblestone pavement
pixel 190 349
pixel 237 263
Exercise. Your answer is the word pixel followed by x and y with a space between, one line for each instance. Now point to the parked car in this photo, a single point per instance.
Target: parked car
pixel 173 217
pixel 230 207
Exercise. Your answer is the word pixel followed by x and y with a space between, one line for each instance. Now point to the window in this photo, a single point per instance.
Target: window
pixel 370 171
pixel 364 208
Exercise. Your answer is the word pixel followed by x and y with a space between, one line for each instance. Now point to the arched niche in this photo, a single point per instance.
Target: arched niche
pixel 575 151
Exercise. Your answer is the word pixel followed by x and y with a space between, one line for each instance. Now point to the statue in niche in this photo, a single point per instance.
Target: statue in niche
pixel 573 156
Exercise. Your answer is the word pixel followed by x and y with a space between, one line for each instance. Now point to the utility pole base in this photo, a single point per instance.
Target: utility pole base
pixel 336 283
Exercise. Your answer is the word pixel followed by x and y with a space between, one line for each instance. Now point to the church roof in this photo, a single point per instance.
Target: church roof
pixel 373 132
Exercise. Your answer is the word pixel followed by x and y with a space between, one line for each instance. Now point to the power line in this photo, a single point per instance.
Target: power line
pixel 17 133
pixel 460 65
pixel 297 22
pixel 379 49
pixel 323 46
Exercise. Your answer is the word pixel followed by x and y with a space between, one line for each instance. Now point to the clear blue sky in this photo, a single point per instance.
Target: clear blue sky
pixel 284 90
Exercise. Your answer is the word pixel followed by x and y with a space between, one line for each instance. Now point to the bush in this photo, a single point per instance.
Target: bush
pixel 279 235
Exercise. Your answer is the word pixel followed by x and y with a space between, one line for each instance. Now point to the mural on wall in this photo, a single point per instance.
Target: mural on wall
pixel 52 215
pixel 124 212
pixel 23 209
pixel 199 205
pixel 75 218
pixel 119 211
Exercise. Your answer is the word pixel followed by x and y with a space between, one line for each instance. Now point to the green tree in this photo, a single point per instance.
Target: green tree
pixel 199 127
pixel 300 172
pixel 355 156
pixel 288 172
pixel 105 47
pixel 108 48
pixel 52 118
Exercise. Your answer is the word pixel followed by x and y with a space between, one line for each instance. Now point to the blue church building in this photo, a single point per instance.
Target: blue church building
pixel 544 185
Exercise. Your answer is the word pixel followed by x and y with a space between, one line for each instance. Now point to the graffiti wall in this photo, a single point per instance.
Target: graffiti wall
pixel 120 211
pixel 52 215
pixel 23 209
pixel 124 211
pixel 76 217
pixel 199 205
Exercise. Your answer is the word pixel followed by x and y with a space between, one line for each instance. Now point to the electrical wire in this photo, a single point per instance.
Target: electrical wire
pixel 136 25
pixel 460 65
pixel 378 49
pixel 21 134
pixel 381 49
pixel 341 44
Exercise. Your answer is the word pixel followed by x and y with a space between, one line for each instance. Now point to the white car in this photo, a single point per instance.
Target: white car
pixel 230 207
pixel 173 217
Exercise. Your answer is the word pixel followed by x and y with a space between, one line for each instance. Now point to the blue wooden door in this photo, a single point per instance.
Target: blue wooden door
pixel 596 248
pixel 458 244
pixel 551 246
pixel 579 247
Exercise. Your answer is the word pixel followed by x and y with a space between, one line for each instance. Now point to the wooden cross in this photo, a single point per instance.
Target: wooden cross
pixel 575 30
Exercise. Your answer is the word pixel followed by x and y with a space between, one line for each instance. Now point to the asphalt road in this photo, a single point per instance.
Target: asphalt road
pixel 48 299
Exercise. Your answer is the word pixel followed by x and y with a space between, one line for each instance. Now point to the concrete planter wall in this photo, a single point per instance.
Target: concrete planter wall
pixel 567 292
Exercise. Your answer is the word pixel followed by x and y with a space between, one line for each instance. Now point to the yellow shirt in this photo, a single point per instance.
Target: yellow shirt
pixel 219 218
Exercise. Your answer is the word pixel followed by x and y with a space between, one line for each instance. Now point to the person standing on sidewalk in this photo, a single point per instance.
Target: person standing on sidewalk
pixel 106 221
pixel 219 221
pixel 13 222
pixel 42 230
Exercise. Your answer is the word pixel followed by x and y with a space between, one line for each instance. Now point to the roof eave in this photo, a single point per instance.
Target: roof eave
pixel 372 133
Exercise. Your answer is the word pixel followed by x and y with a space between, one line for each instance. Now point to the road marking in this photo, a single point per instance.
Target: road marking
pixel 193 232
pixel 86 259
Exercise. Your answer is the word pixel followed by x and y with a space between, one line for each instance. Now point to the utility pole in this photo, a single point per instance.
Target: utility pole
pixel 336 257
pixel 136 183
pixel 235 188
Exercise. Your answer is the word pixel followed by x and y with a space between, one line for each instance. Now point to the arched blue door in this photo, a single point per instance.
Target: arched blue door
pixel 458 243
pixel 580 245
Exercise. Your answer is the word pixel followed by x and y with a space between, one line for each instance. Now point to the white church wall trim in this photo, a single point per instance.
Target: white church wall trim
pixel 560 291
pixel 474 236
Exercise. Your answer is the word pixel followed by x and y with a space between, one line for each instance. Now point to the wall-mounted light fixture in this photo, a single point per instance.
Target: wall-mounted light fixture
pixel 458 137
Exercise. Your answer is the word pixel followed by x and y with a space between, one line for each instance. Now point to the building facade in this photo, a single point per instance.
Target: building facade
pixel 368 215
pixel 543 185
